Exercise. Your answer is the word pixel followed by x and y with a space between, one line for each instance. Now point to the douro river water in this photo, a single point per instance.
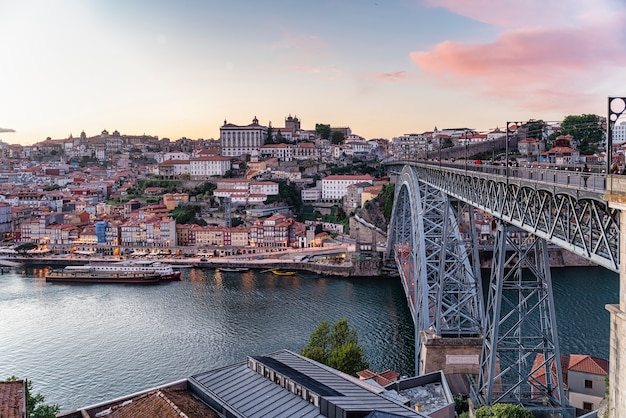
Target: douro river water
pixel 83 344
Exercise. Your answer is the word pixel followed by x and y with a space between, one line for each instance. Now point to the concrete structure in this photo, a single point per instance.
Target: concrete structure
pixel 449 354
pixel 616 197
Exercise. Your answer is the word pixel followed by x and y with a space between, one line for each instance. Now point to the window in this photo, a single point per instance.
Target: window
pixel 588 384
pixel 588 406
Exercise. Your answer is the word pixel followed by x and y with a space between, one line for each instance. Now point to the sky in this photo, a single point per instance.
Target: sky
pixel 382 67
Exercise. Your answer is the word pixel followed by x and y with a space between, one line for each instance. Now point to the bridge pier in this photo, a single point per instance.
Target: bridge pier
pixel 453 355
pixel 616 197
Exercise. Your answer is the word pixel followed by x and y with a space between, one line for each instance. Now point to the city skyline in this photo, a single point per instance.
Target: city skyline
pixel 384 68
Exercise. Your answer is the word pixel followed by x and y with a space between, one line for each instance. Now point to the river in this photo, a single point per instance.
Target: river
pixel 83 344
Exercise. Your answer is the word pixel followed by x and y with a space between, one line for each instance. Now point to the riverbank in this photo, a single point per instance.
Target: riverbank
pixel 339 261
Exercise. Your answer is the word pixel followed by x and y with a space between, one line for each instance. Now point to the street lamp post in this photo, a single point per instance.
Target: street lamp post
pixel 439 151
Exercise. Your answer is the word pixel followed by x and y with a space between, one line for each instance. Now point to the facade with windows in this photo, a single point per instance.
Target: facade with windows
pixel 335 187
pixel 238 140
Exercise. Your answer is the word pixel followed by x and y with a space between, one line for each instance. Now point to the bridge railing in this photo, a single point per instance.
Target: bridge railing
pixel 569 176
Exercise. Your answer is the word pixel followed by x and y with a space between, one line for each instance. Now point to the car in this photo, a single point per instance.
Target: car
pixel 203 259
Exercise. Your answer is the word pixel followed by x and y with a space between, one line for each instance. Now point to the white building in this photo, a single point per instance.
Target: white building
pixel 238 140
pixel 202 168
pixel 173 156
pixel 268 188
pixel 284 152
pixel 335 187
pixel 619 132
pixel 313 194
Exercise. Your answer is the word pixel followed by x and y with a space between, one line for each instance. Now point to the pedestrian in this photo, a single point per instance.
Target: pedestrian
pixel 614 168
pixel 586 171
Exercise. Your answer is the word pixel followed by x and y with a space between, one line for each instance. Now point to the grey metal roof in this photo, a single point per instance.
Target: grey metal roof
pixel 247 393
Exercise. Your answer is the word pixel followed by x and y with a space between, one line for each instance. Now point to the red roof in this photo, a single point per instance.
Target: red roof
pixel 13 399
pixel 588 364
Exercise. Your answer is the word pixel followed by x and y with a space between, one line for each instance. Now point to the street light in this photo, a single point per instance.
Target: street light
pixel 617 106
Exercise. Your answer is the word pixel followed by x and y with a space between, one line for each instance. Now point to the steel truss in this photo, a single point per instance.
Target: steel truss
pixel 439 271
pixel 520 361
pixel 577 220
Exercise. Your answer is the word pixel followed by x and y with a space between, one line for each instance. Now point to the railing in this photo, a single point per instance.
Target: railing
pixel 567 176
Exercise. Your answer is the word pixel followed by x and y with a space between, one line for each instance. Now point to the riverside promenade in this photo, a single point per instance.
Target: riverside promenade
pixel 333 260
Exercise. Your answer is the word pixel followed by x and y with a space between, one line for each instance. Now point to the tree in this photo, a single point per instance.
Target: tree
pixel 25 247
pixel 322 130
pixel 503 410
pixel 36 408
pixel 534 129
pixel 337 138
pixel 586 130
pixel 185 214
pixel 337 347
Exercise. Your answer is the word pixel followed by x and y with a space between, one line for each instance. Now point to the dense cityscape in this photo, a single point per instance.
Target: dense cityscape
pixel 256 193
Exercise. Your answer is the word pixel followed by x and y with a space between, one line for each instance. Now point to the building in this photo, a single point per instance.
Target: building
pixel 283 152
pixel 335 187
pixel 282 384
pixel 531 147
pixel 202 168
pixel 238 140
pixel 584 379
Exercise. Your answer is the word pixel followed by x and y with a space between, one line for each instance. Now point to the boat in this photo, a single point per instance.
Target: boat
pixel 283 273
pixel 233 269
pixel 163 271
pixel 87 274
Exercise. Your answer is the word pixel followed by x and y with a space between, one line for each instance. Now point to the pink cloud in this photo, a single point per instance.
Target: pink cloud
pixel 540 67
pixel 528 13
pixel 391 76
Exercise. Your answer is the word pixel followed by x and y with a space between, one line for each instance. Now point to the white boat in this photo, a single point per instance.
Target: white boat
pixel 163 270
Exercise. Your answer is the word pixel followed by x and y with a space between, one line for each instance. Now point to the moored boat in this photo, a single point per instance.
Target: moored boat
pixel 233 269
pixel 86 274
pixel 165 271
pixel 134 271
pixel 283 273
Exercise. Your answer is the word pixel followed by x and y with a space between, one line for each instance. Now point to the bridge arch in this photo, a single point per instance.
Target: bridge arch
pixel 439 271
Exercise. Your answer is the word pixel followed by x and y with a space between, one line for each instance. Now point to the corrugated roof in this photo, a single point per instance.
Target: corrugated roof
pixel 252 395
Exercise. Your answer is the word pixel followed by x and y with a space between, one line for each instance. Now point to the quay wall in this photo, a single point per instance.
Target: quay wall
pixel 358 268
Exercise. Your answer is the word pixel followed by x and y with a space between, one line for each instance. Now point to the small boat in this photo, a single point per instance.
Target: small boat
pixel 233 269
pixel 283 273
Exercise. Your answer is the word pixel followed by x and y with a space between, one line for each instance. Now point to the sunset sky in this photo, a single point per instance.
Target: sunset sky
pixel 383 67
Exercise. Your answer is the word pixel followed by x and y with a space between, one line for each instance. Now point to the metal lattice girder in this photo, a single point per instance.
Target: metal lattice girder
pixel 438 272
pixel 459 298
pixel 577 220
pixel 520 361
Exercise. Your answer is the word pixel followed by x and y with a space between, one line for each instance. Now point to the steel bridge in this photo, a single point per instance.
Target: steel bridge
pixel 433 240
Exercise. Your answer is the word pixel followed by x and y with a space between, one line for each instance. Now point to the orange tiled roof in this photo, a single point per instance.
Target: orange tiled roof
pixel 589 364
pixel 13 399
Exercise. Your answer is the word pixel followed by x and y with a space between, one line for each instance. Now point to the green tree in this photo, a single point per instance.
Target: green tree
pixel 337 347
pixel 586 130
pixel 503 410
pixel 36 408
pixel 185 214
pixel 387 194
pixel 337 138
pixel 25 247
pixel 322 130
pixel 534 129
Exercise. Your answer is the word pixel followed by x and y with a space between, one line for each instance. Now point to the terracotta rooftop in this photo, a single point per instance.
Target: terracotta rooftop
pixel 13 399
pixel 588 364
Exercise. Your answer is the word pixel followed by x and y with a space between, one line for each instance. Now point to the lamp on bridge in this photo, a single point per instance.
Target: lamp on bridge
pixel 510 128
pixel 617 106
